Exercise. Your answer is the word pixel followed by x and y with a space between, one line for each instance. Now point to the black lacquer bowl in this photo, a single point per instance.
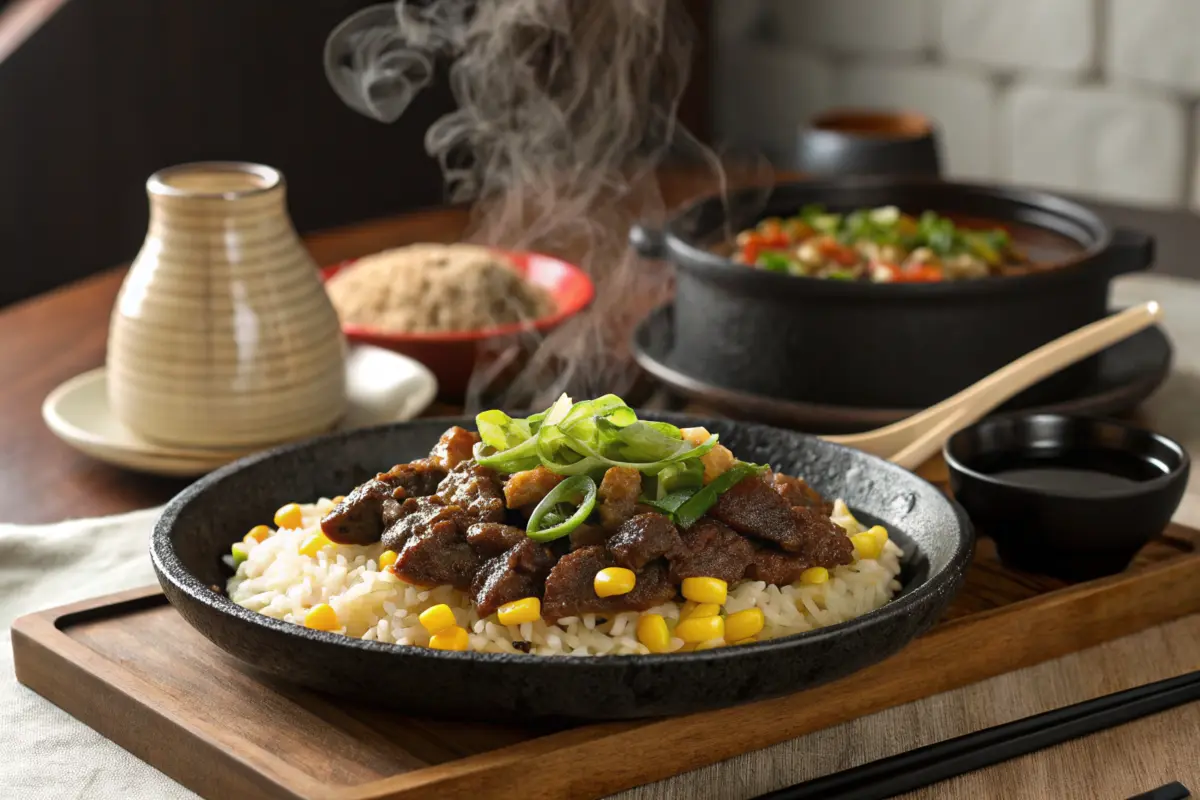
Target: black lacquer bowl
pixel 201 523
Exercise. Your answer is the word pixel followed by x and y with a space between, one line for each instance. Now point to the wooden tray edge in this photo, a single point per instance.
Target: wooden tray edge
pixel 53 665
pixel 982 646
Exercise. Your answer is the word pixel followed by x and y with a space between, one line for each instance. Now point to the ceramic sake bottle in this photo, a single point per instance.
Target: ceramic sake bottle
pixel 222 334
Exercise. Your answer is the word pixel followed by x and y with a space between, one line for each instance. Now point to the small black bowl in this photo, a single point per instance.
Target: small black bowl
pixel 869 142
pixel 1071 497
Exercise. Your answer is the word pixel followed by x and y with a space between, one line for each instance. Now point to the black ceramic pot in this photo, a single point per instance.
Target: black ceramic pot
pixel 885 345
pixel 199 525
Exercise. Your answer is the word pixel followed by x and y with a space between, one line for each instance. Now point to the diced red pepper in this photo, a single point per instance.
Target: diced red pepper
pixel 755 243
pixel 841 254
pixel 920 273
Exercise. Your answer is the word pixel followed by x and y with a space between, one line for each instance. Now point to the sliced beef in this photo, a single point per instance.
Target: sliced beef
pixel 528 488
pixel 416 515
pixel 643 539
pixel 418 478
pixel 474 489
pixel 437 554
pixel 454 447
pixel 493 538
pixel 797 492
pixel 825 542
pixel 518 572
pixel 618 496
pixel 753 508
pixel 358 519
pixel 588 535
pixel 570 591
pixel 711 550
pixel 775 566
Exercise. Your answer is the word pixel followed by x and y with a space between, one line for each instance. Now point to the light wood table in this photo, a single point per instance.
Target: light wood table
pixel 52 338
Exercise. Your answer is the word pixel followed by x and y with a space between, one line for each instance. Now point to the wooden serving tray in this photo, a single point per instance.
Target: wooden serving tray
pixel 131 668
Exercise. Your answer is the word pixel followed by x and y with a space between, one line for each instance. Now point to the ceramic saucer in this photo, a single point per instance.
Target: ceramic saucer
pixel 381 387
pixel 1129 372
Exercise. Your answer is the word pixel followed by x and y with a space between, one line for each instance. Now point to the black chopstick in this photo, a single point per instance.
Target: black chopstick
pixel 1172 791
pixel 904 772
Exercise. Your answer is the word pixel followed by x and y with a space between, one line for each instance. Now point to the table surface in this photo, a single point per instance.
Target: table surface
pixel 51 338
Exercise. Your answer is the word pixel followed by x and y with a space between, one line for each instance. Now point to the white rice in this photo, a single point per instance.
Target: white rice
pixel 376 605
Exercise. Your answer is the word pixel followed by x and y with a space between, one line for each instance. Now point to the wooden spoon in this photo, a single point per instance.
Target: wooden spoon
pixel 911 441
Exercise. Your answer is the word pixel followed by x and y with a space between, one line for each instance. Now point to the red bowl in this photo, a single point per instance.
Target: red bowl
pixel 451 355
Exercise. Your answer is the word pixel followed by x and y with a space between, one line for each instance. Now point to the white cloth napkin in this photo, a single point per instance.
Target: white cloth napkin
pixel 48 754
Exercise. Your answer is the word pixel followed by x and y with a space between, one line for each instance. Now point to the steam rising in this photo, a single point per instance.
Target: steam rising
pixel 565 110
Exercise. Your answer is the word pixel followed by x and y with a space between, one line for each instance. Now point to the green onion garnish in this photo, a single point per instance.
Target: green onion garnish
pixel 564 509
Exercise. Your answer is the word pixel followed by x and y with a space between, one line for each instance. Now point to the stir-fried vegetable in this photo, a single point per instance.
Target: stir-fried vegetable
pixel 882 245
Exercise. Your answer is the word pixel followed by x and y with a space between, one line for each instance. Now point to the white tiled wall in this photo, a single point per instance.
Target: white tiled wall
pixel 1095 97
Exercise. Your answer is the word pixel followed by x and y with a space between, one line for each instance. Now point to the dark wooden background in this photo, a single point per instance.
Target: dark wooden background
pixel 105 92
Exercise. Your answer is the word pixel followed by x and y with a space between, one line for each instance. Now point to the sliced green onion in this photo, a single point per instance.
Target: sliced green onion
pixel 840 275
pixel 516 459
pixel 670 504
pixel 239 552
pixel 704 499
pixel 553 519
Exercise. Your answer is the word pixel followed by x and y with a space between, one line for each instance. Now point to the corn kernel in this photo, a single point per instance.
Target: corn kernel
pixel 239 552
pixel 711 644
pixel 338 500
pixel 701 629
pixel 387 559
pixel 290 516
pixel 686 609
pixel 527 609
pixel 705 590
pixel 321 618
pixel 313 544
pixel 747 640
pixel 436 619
pixel 814 575
pixel 258 533
pixel 869 544
pixel 652 632
pixel 744 624
pixel 452 638
pixel 704 610
pixel 614 581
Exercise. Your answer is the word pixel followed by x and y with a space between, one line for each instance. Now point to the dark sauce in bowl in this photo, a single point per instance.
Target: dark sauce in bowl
pixel 1079 473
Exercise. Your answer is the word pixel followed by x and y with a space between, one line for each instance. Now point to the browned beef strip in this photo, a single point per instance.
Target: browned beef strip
pixel 474 489
pixel 358 519
pixel 519 572
pixel 418 478
pixel 643 539
pixel 528 488
pixel 753 508
pixel 825 542
pixel 493 538
pixel 775 566
pixel 588 535
pixel 711 550
pixel 418 514
pixel 797 492
pixel 454 447
pixel 435 555
pixel 618 495
pixel 570 590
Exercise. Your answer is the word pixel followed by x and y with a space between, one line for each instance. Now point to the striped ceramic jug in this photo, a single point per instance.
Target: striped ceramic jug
pixel 222 334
